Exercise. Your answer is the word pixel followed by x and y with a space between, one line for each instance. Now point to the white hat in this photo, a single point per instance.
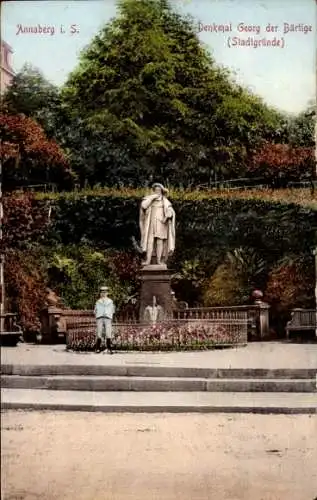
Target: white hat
pixel 157 184
pixel 104 288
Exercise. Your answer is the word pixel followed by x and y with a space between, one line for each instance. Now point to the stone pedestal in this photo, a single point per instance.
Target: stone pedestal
pixel 156 282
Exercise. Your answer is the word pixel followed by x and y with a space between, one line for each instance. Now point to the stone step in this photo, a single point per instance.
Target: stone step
pixel 156 384
pixel 160 402
pixel 145 370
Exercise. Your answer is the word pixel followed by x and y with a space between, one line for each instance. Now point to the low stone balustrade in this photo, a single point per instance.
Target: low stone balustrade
pixel 252 321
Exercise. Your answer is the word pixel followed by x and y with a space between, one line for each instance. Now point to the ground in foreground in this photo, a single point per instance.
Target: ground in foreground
pixel 56 455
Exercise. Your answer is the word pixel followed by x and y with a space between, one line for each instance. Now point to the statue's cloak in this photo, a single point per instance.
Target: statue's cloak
pixel 145 221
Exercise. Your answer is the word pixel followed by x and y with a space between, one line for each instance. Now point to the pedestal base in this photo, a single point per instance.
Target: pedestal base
pixel 155 282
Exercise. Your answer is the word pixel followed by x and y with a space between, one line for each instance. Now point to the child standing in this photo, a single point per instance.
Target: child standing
pixel 104 311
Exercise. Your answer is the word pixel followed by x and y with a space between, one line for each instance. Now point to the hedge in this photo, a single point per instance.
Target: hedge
pixel 111 220
pixel 302 196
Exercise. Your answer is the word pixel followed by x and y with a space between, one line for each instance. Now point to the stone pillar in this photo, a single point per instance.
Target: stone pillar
pixel 155 282
pixel 262 308
pixel 52 324
pixel 264 324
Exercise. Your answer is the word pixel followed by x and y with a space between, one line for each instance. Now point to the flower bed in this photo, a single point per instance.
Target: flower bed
pixel 167 336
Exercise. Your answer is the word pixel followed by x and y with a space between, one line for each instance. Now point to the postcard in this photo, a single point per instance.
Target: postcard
pixel 158 259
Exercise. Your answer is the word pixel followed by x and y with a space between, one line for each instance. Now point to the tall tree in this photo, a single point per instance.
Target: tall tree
pixel 302 128
pixel 34 96
pixel 28 156
pixel 280 164
pixel 289 156
pixel 155 105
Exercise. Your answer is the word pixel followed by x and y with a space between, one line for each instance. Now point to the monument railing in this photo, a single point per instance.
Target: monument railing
pixel 57 322
pixel 232 312
pixel 169 334
pixel 257 328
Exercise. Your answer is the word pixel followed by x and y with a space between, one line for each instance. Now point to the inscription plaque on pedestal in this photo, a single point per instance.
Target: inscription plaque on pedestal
pixel 156 283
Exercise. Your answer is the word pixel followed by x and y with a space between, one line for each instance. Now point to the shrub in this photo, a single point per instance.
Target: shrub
pixel 28 156
pixel 281 163
pixel 25 287
pixel 77 272
pixel 25 222
pixel 290 284
pixel 234 280
pixel 225 288
pixel 188 281
pixel 74 273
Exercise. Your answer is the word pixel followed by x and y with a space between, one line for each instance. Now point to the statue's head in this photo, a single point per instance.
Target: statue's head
pixel 159 188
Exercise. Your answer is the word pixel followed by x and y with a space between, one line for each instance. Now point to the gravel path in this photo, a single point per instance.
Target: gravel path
pixel 266 355
pixel 82 456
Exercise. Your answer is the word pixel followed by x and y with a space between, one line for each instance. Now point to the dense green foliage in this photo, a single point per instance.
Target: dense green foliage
pixel 31 94
pixel 258 234
pixel 76 274
pixel 28 156
pixel 147 100
pixel 290 283
pixel 280 164
pixel 301 128
pixel 26 279
pixel 226 247
pixel 25 223
pixel 203 224
pixel 242 271
pixel 28 126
